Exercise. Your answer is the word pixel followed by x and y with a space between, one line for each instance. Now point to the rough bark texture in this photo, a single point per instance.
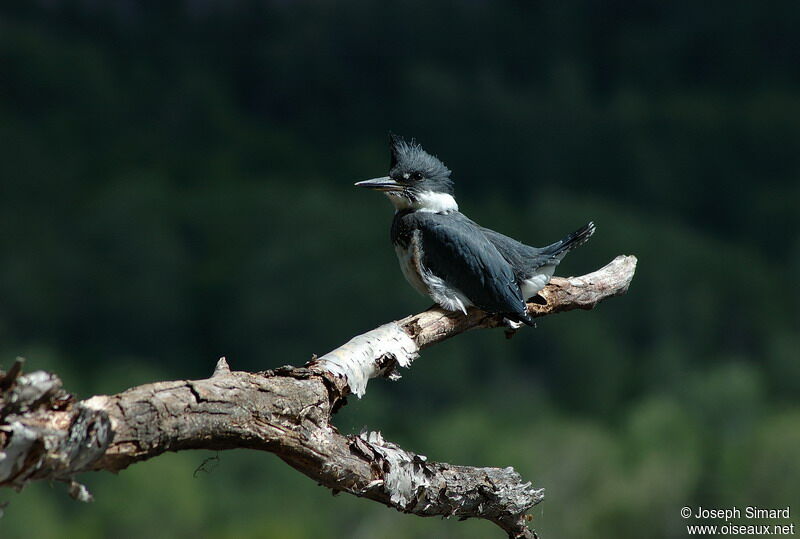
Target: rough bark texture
pixel 45 433
pixel 379 352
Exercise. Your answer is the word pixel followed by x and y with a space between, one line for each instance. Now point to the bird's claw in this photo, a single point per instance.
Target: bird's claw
pixel 511 327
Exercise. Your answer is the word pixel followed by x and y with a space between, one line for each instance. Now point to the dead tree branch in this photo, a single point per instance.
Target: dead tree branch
pixel 46 433
pixel 379 352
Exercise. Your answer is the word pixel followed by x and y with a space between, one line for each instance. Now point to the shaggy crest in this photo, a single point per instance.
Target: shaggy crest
pixel 409 158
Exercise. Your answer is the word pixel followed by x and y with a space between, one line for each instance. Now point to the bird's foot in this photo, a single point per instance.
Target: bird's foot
pixel 511 327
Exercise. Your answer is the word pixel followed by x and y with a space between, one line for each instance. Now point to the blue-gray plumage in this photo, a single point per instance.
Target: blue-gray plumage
pixel 449 257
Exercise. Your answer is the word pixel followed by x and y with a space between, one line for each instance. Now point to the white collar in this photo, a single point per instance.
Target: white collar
pixel 426 201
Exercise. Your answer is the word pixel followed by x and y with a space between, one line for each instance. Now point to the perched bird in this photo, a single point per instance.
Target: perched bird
pixel 449 257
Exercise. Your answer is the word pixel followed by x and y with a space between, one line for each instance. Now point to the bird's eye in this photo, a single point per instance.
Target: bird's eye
pixel 416 176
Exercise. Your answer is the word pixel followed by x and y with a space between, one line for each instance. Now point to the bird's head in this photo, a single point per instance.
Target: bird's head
pixel 416 181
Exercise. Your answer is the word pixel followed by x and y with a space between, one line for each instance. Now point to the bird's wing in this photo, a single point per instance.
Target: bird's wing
pixel 524 258
pixel 455 250
pixel 527 259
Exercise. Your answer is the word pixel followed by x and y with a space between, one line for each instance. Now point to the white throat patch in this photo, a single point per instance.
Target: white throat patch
pixel 425 201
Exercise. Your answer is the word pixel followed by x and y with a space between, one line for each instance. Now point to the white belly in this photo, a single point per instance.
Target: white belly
pixel 407 265
pixel 428 284
pixel 533 284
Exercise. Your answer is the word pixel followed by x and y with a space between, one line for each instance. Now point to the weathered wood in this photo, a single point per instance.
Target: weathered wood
pixel 379 352
pixel 45 433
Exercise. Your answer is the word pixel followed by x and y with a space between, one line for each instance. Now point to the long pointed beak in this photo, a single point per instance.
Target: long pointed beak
pixel 380 184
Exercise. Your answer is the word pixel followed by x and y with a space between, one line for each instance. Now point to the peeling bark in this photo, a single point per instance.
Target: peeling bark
pixel 379 352
pixel 45 433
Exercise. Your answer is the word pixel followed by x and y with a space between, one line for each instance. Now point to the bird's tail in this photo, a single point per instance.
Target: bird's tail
pixel 568 243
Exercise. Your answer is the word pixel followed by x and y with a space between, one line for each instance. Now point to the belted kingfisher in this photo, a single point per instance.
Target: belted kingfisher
pixel 449 257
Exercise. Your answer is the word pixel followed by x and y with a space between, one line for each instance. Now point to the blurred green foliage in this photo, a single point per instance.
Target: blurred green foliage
pixel 175 185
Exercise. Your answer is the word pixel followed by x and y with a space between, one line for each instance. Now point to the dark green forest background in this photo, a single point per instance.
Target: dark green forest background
pixel 176 185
